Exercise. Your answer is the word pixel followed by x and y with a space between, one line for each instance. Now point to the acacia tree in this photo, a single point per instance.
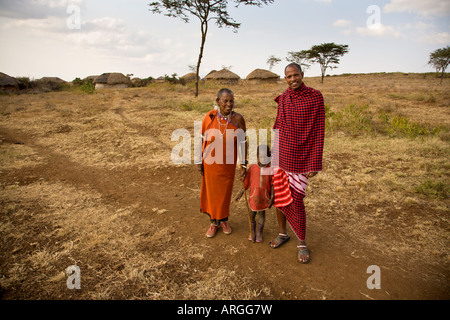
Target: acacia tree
pixel 206 11
pixel 272 61
pixel 440 59
pixel 325 54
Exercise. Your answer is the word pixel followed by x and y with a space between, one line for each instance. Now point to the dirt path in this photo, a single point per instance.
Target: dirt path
pixel 168 197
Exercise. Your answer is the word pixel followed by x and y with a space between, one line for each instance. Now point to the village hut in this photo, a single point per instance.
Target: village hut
pixel 47 84
pixel 52 79
pixel 160 79
pixel 91 78
pixel 137 82
pixel 258 76
pixel 112 80
pixel 211 72
pixel 8 83
pixel 190 77
pixel 223 76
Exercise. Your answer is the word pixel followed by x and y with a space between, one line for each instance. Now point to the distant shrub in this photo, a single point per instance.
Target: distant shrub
pixel 353 119
pixel 85 85
pixel 25 83
pixel 399 125
pixel 433 188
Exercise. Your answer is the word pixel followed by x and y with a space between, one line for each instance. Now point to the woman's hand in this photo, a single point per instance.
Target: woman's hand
pixel 200 168
pixel 243 172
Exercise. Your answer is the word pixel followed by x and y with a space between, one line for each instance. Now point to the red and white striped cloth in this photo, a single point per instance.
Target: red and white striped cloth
pixel 281 189
pixel 298 181
pixel 282 182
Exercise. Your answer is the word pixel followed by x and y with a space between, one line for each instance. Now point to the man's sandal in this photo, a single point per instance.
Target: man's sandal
pixel 302 249
pixel 279 241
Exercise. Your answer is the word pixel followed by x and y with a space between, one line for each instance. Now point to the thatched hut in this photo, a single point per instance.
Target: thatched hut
pixel 112 80
pixel 48 84
pixel 189 77
pixel 223 76
pixel 160 79
pixel 8 83
pixel 262 76
pixel 137 82
pixel 52 79
pixel 91 78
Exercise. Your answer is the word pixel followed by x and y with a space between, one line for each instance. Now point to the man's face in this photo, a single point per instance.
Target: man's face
pixel 293 77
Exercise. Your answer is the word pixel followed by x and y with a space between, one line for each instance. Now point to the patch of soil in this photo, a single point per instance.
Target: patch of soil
pixel 168 197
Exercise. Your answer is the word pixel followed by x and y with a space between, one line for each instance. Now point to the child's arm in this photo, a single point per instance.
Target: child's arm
pixel 272 197
pixel 238 197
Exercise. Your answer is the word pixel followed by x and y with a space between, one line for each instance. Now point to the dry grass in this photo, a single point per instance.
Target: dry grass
pixel 81 229
pixel 382 187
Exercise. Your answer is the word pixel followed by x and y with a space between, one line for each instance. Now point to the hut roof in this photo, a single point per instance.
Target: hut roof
pixel 223 74
pixel 6 80
pixel 112 78
pixel 189 76
pixel 262 74
pixel 52 79
pixel 91 78
pixel 211 72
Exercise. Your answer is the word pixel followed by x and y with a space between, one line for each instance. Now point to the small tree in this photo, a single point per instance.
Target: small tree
pixel 205 11
pixel 326 54
pixel 440 59
pixel 272 61
pixel 299 58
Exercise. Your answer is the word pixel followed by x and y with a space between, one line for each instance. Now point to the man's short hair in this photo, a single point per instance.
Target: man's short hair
pixel 293 64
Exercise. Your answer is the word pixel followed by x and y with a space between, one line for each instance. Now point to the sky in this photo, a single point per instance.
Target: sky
pixel 79 38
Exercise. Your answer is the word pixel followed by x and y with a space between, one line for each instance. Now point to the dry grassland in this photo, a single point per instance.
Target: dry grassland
pixel 86 179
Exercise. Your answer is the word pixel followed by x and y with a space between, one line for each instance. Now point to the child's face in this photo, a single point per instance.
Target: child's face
pixel 263 158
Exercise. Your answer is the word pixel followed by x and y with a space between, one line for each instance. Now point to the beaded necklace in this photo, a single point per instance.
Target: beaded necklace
pixel 222 117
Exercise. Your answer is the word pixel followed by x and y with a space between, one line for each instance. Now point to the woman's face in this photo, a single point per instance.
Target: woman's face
pixel 226 103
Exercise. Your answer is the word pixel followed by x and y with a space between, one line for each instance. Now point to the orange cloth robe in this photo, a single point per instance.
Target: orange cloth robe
pixel 218 176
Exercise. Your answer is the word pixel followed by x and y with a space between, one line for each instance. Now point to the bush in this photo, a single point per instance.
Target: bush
pixel 399 125
pixel 433 188
pixel 353 119
pixel 85 85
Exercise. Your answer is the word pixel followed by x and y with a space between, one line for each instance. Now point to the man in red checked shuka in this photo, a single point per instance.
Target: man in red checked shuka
pixel 297 153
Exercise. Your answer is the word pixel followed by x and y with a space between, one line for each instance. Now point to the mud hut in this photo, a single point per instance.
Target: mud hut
pixel 112 80
pixel 190 77
pixel 91 78
pixel 48 84
pixel 258 76
pixel 52 79
pixel 8 83
pixel 223 76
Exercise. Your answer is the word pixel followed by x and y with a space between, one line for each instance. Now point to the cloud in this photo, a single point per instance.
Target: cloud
pixel 421 7
pixel 436 38
pixel 379 30
pixel 342 23
pixel 36 9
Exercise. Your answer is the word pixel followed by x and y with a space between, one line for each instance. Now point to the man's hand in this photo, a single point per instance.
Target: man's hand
pixel 311 174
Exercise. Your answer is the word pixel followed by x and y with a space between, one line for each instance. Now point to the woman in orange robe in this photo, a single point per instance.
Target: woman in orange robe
pixel 222 131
